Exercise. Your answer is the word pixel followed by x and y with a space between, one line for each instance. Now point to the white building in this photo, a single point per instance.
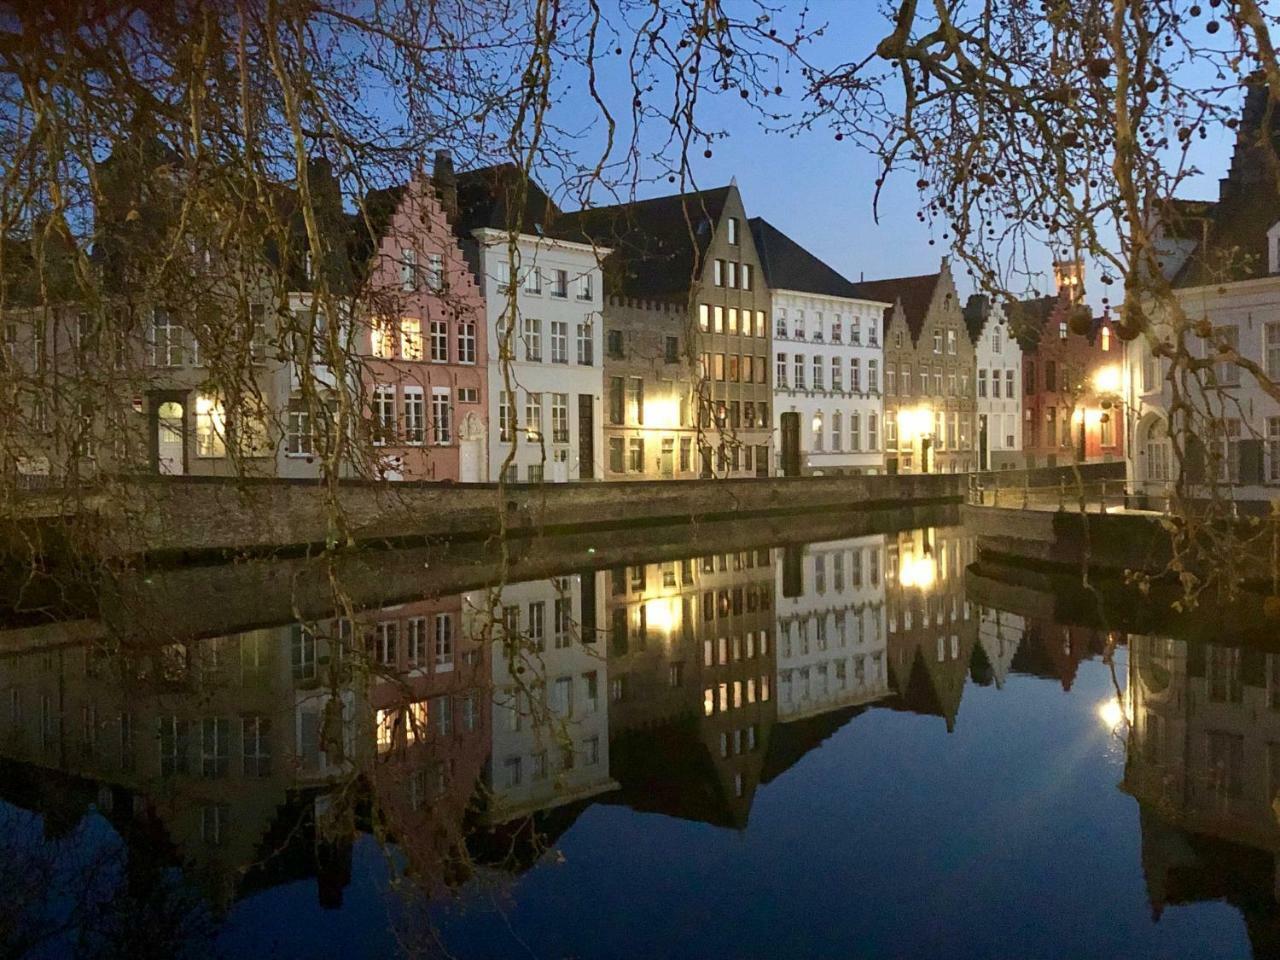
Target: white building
pixel 543 328
pixel 827 359
pixel 998 383
pixel 1000 634
pixel 831 634
pixel 550 692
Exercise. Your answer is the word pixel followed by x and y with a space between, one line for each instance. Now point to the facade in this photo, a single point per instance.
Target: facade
pixel 831 627
pixel 1222 259
pixel 928 375
pixel 827 406
pixel 684 277
pixel 543 300
pixel 997 385
pixel 1071 377
pixel 426 345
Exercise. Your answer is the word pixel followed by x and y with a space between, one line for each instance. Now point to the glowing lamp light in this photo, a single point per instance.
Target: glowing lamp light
pixel 662 412
pixel 663 615
pixel 917 422
pixel 1107 379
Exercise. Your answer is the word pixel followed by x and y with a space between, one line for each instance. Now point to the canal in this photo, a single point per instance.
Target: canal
pixel 825 739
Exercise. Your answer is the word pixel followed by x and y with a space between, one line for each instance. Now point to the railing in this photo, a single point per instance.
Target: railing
pixel 1096 496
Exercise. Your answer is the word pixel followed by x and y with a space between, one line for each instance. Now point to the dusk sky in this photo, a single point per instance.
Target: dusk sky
pixel 820 191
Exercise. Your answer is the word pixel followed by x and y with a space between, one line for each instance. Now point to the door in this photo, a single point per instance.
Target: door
pixel 586 436
pixel 791 444
pixel 668 463
pixel 470 453
pixel 983 456
pixel 171 439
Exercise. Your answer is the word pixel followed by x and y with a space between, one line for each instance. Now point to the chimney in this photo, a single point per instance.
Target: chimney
pixel 446 184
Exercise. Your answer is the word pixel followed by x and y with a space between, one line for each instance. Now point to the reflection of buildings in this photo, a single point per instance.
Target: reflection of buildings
pixel 999 635
pixel 691 665
pixel 831 629
pixel 931 631
pixel 550 718
pixel 1054 650
pixel 1204 765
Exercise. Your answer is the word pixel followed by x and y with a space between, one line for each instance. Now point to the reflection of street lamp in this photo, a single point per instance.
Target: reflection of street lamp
pixel 918 570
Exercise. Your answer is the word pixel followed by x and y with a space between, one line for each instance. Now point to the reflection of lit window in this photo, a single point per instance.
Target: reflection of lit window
pixel 386 729
pixel 708 701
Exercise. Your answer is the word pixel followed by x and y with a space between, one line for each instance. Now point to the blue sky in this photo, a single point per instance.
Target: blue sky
pixel 820 191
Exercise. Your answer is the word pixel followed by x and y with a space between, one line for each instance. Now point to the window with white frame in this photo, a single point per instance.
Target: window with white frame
pixel 417 641
pixel 532 338
pixel 441 415
pixel 586 345
pixel 443 641
pixel 299 438
pixel 855 375
pixel 168 339
pixel 817 432
pixel 837 374
pixel 855 431
pixel 414 415
pixel 818 375
pixel 506 416
pixel 782 370
pixel 837 431
pixel 384 413
pixel 466 342
pixel 559 418
pixel 563 625
pixel 1225 371
pixel 435 272
pixel 560 284
pixel 559 341
pixel 586 287
pixel 439 343
pixel 533 415
pixel 798 367
pixel 533 280
pixel 1271 340
pixel 408 268
pixel 873 376
pixel 873 437
pixel 982 384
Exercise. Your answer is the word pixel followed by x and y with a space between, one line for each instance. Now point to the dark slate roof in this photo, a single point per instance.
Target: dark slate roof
pixel 1028 318
pixel 915 293
pixel 658 245
pixel 490 197
pixel 789 266
pixel 790 741
pixel 976 311
pixel 1235 234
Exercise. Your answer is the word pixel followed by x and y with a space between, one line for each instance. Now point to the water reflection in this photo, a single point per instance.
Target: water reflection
pixel 467 730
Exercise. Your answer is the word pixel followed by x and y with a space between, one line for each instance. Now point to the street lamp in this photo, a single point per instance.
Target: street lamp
pixel 918 422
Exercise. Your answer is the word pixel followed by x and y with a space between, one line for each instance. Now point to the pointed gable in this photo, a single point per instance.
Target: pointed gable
pixel 788 266
pixel 913 294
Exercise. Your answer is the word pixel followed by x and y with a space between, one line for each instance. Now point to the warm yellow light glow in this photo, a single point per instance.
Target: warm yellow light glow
pixel 916 422
pixel 920 572
pixel 1111 713
pixel 662 412
pixel 1107 379
pixel 1076 416
pixel 663 615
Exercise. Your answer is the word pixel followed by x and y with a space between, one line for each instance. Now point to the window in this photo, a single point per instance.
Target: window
pixel 414 415
pixel 873 376
pixel 468 395
pixel 617 401
pixel 435 272
pixel 443 649
pixel 782 371
pixel 533 281
pixel 559 341
pixel 733 319
pixel 818 376
pixel 799 324
pixel 837 374
pixel 532 338
pixel 718 319
pixel 937 341
pixel 1008 383
pixel 299 439
pixel 167 340
pixel 995 385
pixel 215 743
pixel 173 745
pixel 586 288
pixel 560 284
pixel 746 285
pixel 686 454
pixel 733 230
pixel 1271 336
pixel 563 623
pixel 951 342
pixel 559 418
pixel 255 739
pixel 635 400
pixel 1225 371
pixel 635 458
pixel 817 431
pixel 411 344
pixel 873 438
pixel 616 455
pixel 533 416
pixel 466 342
pixel 211 427
pixel 855 375
pixel 384 413
pixel 1273 449
pixel 441 416
pixel 719 273
pixel 408 269
pixel 798 368
pixel 586 348
pixel 732 274
pixel 982 384
pixel 613 344
pixel 718 362
pixel 382 339
pixel 704 317
pixel 837 431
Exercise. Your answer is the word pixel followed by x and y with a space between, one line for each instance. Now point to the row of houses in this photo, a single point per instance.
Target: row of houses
pixel 498 337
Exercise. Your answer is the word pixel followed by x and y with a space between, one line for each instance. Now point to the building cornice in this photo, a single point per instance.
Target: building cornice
pixel 488 236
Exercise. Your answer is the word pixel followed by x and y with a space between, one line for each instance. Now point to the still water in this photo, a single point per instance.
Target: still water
pixel 859 746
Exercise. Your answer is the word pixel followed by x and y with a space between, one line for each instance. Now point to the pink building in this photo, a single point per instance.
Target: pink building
pixel 424 369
